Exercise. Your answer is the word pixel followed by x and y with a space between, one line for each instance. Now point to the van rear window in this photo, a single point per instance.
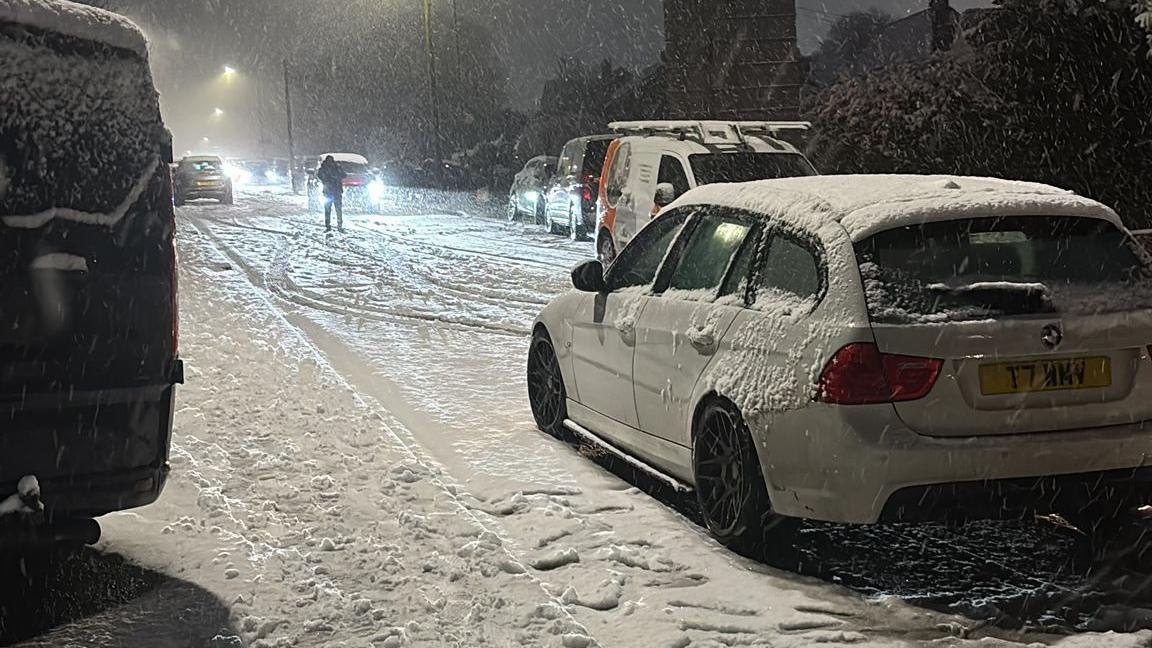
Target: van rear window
pixel 79 123
pixel 988 267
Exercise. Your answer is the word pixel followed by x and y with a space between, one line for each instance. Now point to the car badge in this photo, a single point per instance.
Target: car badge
pixel 1052 336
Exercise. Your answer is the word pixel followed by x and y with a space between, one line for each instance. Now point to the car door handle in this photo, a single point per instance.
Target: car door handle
pixel 703 340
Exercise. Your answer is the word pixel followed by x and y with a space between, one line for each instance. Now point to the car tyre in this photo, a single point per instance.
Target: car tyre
pixel 228 198
pixel 511 212
pixel 730 486
pixel 605 248
pixel 576 229
pixel 178 199
pixel 541 212
pixel 546 392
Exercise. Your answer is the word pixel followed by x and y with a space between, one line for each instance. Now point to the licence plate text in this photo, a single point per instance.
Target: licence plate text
pixel 1059 374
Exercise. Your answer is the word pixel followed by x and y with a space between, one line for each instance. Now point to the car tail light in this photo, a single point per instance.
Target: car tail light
pixel 860 375
pixel 588 186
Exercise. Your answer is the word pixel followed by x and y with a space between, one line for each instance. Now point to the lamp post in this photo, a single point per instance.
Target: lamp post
pixel 435 100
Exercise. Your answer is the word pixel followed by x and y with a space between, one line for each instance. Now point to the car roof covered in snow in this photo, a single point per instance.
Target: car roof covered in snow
pixel 203 158
pixel 78 21
pixel 350 158
pixel 867 204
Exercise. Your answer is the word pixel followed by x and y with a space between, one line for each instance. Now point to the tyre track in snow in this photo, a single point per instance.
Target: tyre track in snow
pixel 281 283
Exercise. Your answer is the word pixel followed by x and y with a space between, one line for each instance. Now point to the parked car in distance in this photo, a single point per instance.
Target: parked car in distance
pixel 652 163
pixel 572 199
pixel 859 349
pixel 362 189
pixel 529 192
pixel 202 176
pixel 88 309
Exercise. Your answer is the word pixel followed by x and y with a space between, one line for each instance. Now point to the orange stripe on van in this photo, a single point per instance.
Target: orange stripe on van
pixel 606 214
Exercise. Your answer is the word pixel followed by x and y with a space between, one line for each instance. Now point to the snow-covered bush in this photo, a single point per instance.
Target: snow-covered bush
pixel 1054 91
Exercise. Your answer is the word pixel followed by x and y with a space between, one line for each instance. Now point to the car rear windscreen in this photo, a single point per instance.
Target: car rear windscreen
pixel 987 267
pixel 353 167
pixel 79 123
pixel 712 168
pixel 206 166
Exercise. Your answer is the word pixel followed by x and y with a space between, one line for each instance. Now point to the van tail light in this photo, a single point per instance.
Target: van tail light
pixel 860 375
pixel 589 185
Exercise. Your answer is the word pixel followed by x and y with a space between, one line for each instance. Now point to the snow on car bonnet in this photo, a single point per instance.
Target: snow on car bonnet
pixel 79 21
pixel 867 204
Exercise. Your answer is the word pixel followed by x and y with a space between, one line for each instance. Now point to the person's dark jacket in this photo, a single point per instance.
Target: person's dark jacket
pixel 332 177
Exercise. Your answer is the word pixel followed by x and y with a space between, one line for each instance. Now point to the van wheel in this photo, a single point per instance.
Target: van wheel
pixel 730 485
pixel 552 227
pixel 605 248
pixel 546 391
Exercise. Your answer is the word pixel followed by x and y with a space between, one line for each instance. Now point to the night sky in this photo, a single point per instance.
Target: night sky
pixel 193 39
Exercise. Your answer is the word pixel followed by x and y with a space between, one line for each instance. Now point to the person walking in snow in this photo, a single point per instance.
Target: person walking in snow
pixel 332 177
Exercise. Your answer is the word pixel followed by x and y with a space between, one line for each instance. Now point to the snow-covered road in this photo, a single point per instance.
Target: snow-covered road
pixel 356 464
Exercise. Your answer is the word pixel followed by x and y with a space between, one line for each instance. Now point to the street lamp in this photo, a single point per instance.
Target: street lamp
pixel 219 112
pixel 229 71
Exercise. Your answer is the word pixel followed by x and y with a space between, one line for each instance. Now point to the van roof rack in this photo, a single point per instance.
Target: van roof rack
pixel 712 132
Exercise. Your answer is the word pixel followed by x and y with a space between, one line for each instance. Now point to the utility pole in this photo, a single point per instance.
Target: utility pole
pixel 435 94
pixel 291 143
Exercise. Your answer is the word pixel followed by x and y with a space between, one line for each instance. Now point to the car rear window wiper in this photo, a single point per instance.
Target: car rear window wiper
pixel 998 296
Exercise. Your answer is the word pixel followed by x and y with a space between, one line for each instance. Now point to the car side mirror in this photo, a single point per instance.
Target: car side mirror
pixel 589 277
pixel 665 194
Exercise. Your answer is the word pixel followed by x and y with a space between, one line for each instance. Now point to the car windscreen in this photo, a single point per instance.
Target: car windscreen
pixel 594 155
pixel 987 267
pixel 712 168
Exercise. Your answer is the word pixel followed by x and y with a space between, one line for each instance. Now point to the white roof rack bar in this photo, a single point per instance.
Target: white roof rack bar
pixel 698 126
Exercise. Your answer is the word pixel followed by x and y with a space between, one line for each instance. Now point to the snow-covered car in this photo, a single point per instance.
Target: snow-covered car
pixel 859 349
pixel 88 308
pixel 362 189
pixel 202 176
pixel 572 198
pixel 654 162
pixel 529 193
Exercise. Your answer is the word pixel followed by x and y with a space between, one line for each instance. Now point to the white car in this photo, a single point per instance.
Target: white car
pixel 859 349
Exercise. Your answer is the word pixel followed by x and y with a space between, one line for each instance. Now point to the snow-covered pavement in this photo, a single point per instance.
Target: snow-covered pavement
pixel 355 462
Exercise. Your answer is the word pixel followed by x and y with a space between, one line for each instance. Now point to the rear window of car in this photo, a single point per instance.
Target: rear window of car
pixel 205 166
pixel 988 267
pixel 594 155
pixel 74 114
pixel 712 168
pixel 353 167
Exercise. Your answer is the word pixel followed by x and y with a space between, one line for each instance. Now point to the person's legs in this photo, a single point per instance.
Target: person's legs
pixel 327 212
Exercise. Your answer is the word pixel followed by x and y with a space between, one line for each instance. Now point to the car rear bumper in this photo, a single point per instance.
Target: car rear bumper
pixel 862 465
pixel 194 194
pixel 93 452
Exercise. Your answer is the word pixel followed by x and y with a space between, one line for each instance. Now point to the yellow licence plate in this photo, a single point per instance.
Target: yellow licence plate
pixel 205 183
pixel 1057 374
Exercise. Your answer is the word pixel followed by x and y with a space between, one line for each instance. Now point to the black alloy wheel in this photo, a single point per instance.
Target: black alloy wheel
pixel 730 485
pixel 576 229
pixel 546 391
pixel 605 248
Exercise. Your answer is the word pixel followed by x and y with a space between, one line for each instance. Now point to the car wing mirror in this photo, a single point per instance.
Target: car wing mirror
pixel 589 277
pixel 665 194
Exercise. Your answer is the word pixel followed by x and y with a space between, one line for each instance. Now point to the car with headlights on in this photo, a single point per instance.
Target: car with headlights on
pixel 363 189
pixel 529 193
pixel 859 349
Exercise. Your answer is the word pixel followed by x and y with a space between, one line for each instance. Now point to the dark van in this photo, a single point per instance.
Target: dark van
pixel 88 314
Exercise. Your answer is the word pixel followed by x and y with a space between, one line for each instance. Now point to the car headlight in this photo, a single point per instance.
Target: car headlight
pixel 532 196
pixel 271 175
pixel 376 190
